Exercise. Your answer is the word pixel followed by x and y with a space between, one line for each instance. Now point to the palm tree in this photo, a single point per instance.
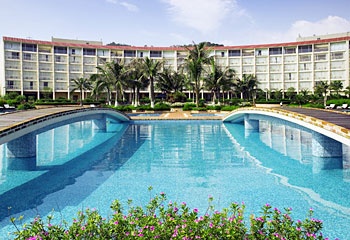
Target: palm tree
pixel 102 82
pixel 81 84
pixel 194 64
pixel 290 93
pixel 151 70
pixel 347 91
pixel 115 71
pixel 135 80
pixel 218 79
pixel 336 86
pixel 247 86
pixel 321 88
pixel 170 81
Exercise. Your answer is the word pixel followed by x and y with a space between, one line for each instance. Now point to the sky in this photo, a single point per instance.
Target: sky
pixel 173 22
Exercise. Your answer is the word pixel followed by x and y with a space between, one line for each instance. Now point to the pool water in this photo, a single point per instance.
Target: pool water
pixel 78 167
pixel 144 114
pixel 208 114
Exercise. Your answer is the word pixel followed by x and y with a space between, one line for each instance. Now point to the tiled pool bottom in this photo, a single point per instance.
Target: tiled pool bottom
pixel 187 160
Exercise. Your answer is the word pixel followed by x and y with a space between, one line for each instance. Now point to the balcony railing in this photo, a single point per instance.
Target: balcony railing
pixel 13 57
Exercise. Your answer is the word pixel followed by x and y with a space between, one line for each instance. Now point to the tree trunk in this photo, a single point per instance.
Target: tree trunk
pixel 116 99
pixel 197 94
pixel 152 92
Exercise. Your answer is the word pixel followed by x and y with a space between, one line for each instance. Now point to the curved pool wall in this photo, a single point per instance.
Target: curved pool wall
pixel 333 131
pixel 46 122
pixel 188 160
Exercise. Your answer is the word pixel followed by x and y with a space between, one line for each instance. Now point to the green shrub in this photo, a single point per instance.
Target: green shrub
pixel 159 220
pixel 229 108
pixel 25 106
pixel 2 101
pixel 215 107
pixel 235 101
pixel 125 108
pixel 189 106
pixel 162 107
pixel 177 97
pixel 145 100
pixel 339 102
pixel 145 108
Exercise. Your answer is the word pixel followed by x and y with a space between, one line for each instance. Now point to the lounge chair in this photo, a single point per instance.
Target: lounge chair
pixel 8 106
pixel 331 106
pixel 344 106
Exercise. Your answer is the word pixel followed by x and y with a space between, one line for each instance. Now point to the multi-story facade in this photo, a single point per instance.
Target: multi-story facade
pixel 31 66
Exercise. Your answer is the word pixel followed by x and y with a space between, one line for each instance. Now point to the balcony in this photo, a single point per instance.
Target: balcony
pixel 12 67
pixel 12 57
pixel 12 87
pixel 45 69
pixel 29 88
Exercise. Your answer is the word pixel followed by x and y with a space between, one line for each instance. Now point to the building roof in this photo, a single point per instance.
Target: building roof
pixel 173 48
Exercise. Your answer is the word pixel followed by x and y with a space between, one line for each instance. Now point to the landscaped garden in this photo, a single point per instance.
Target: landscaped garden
pixel 161 219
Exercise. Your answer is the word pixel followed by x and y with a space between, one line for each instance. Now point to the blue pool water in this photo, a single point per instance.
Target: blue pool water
pixel 207 114
pixel 144 114
pixel 78 167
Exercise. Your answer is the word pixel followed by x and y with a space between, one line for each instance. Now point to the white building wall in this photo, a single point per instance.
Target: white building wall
pixel 277 67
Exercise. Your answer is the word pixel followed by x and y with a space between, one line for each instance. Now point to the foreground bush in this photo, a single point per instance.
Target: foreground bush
pixel 172 221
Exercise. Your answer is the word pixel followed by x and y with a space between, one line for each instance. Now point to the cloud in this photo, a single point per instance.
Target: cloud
pixel 202 15
pixel 329 25
pixel 303 28
pixel 129 6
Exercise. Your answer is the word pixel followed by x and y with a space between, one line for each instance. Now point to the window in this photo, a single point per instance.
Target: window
pixel 234 53
pixel 320 57
pixel 29 47
pixel 58 59
pixel 156 54
pixel 45 84
pixel 15 55
pixel 27 56
pixel 222 54
pixel 31 85
pixel 306 58
pixel 89 51
pixel 60 50
pixel 141 54
pixel 338 55
pixel 305 49
pixel 130 53
pixel 10 84
pixel 73 51
pixel 46 58
pixel 289 50
pixel 275 51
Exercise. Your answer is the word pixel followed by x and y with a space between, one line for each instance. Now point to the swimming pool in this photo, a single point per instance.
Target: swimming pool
pixel 208 114
pixel 144 114
pixel 78 167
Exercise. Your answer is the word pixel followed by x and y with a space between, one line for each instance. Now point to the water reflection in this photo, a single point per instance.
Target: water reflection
pixel 63 155
pixel 298 144
pixel 287 152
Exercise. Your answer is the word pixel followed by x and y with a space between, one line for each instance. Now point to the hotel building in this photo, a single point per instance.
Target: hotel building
pixel 30 66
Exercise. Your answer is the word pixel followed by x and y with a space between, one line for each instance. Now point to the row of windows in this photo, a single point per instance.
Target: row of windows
pixel 158 54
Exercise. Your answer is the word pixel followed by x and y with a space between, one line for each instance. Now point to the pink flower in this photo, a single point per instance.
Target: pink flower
pixel 195 210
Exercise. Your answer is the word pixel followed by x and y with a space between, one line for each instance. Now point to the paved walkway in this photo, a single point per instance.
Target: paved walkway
pixel 332 116
pixel 13 118
pixel 337 117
